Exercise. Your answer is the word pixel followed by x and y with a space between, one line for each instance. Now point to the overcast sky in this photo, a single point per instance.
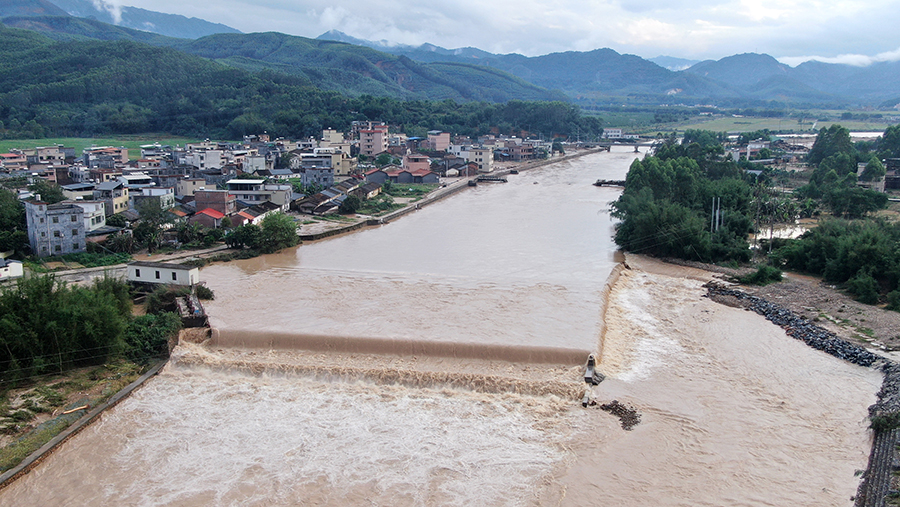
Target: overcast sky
pixel 845 31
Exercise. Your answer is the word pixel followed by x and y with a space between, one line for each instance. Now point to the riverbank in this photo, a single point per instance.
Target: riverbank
pixel 870 326
pixel 321 229
pixel 733 411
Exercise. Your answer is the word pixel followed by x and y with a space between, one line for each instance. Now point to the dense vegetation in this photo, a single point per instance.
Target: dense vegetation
pixel 666 211
pixel 862 255
pixel 48 326
pixel 666 207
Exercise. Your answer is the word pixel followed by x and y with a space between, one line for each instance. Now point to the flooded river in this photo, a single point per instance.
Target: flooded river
pixel 436 361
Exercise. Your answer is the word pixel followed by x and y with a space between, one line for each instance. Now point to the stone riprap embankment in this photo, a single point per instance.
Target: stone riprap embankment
pixel 796 326
pixel 878 481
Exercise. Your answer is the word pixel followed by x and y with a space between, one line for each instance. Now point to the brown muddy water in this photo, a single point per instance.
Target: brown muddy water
pixel 436 361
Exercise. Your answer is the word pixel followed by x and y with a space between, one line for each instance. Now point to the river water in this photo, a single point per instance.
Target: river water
pixel 435 361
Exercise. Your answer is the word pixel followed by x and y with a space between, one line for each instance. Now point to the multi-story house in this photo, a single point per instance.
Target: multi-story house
pixel 55 229
pixel 47 155
pixel 219 200
pixel 373 140
pixel 13 160
pixel 438 141
pixel 106 157
pixel 256 191
pixel 333 139
pixel 187 186
pixel 415 162
pixel 482 156
pixel 164 196
pixel 94 215
pixel 114 194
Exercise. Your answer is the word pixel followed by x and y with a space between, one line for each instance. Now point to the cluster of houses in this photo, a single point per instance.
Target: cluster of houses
pixel 206 182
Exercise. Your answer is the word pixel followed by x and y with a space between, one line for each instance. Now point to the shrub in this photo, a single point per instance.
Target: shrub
pixel 148 336
pixel 763 276
pixel 162 299
pixel 864 288
pixel 204 292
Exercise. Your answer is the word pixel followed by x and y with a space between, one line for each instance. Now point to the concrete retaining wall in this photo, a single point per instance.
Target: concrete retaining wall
pixel 39 455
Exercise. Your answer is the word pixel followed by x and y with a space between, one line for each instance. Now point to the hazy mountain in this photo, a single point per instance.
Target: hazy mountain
pixel 171 25
pixel 421 53
pixel 740 70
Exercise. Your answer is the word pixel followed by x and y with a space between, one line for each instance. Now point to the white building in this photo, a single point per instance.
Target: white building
pixel 10 269
pixel 162 273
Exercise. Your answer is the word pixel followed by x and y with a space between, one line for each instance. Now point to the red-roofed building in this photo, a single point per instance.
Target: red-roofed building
pixel 208 217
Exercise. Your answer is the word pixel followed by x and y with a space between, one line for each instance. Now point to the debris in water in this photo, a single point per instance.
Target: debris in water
pixel 628 416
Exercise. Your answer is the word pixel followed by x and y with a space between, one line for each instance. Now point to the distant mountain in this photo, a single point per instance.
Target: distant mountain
pixel 763 77
pixel 740 70
pixel 346 68
pixel 171 25
pixel 672 63
pixel 422 53
pixel 578 74
pixel 336 61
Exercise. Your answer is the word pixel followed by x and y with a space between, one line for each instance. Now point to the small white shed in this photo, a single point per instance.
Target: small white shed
pixel 162 273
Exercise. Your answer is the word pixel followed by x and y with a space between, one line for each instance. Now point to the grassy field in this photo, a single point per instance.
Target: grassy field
pixel 133 142
pixel 748 124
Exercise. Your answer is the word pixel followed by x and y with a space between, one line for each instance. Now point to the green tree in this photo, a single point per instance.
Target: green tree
pixel 383 159
pixel 247 235
pixel 831 141
pixel 50 193
pixel 278 231
pixel 874 170
pixel 350 205
pixel 149 229
pixel 13 227
pixel 116 220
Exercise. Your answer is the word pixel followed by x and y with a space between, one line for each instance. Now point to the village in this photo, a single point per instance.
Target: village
pixel 221 185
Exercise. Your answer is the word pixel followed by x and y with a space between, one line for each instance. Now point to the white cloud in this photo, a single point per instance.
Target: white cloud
pixel 113 7
pixel 696 29
pixel 856 60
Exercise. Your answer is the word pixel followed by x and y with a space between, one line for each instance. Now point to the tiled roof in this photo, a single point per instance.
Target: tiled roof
pixel 212 213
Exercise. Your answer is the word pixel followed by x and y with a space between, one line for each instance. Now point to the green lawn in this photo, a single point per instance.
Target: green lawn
pixel 132 142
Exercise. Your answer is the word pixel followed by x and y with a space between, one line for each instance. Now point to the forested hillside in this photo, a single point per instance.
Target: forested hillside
pixel 85 88
pixel 336 66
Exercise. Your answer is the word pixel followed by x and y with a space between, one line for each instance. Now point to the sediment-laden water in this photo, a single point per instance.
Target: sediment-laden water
pixel 435 361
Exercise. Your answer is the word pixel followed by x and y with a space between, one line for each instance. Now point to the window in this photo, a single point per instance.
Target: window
pixel 137 273
pixel 75 246
pixel 174 276
pixel 55 220
pixel 157 275
pixel 43 234
pixel 74 218
pixel 42 220
pixel 74 232
pixel 58 248
pixel 57 234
